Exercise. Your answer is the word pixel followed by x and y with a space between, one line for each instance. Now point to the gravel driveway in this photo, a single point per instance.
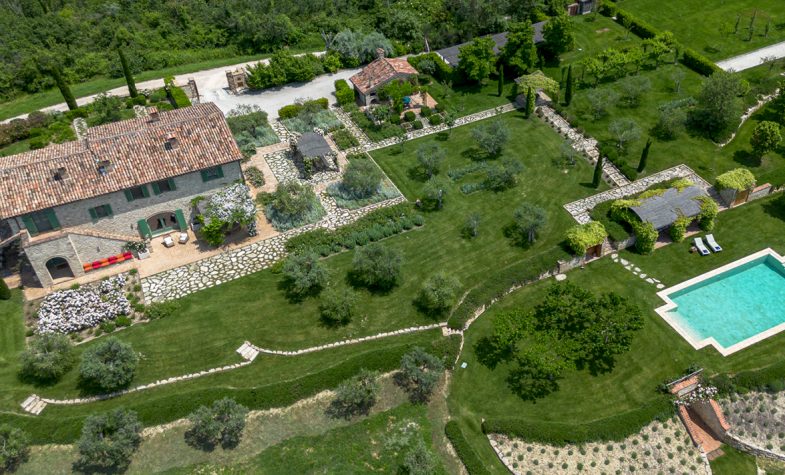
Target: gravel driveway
pixel 753 58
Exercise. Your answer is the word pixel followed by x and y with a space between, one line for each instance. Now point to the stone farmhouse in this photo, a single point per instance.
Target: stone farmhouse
pixel 76 204
pixel 378 73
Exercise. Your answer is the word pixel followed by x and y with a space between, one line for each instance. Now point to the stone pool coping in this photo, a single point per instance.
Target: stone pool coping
pixel 699 344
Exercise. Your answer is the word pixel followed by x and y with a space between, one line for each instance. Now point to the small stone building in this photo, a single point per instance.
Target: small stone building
pixel 80 202
pixel 237 80
pixel 379 73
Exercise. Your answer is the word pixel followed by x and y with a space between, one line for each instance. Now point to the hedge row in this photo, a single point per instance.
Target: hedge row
pixel 293 110
pixel 377 224
pixel 57 428
pixel 690 58
pixel 558 433
pixel 771 378
pixel 465 451
pixel 496 286
pixel 179 97
pixel 343 92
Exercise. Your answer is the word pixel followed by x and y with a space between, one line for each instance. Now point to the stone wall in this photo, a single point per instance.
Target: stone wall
pixel 728 196
pixel 760 192
pixel 93 248
pixel 127 213
pixel 734 441
pixel 707 414
pixel 40 252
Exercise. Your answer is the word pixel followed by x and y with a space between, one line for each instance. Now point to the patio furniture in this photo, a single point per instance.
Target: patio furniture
pixel 701 248
pixel 168 241
pixel 183 238
pixel 712 243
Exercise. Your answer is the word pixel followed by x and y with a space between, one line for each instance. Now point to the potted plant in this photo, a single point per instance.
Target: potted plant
pixel 139 247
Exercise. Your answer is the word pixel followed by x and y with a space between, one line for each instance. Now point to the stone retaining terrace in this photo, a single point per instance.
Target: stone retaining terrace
pixel 580 209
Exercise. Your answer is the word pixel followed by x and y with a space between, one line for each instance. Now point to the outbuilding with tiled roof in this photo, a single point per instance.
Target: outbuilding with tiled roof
pixel 378 73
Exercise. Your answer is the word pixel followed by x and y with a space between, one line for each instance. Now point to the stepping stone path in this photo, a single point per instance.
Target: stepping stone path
pixel 580 209
pixel 637 271
pixel 34 404
pixel 281 131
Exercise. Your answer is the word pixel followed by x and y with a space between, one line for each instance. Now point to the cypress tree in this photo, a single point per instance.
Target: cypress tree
pixel 129 78
pixel 65 90
pixel 5 292
pixel 529 102
pixel 501 80
pixel 644 155
pixel 597 172
pixel 568 87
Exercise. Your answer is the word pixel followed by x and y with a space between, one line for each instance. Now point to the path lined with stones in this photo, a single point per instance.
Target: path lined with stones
pixel 586 145
pixel 35 404
pixel 637 271
pixel 580 209
pixel 347 121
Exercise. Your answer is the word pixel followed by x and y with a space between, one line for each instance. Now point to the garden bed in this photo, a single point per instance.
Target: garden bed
pixel 758 418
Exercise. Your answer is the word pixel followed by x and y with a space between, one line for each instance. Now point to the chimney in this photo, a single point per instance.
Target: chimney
pixel 153 113
pixel 380 53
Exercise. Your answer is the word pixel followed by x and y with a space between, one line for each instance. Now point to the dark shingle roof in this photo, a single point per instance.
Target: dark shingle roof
pixel 451 53
pixel 664 209
pixel 134 149
pixel 313 145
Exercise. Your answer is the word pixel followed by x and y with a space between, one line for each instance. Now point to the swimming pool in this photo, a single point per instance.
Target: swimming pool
pixel 731 307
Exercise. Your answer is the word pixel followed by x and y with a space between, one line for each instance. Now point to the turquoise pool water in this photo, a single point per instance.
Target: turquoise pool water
pixel 735 305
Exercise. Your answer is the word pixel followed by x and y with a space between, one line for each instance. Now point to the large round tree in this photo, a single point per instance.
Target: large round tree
pixel 109 365
pixel 376 266
pixel 48 357
pixel 108 441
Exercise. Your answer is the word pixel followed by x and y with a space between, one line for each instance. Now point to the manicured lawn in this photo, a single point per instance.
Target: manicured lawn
pixel 658 353
pixel 471 98
pixel 709 29
pixel 375 445
pixel 734 463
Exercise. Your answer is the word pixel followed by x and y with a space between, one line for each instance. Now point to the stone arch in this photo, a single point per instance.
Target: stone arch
pixel 162 221
pixel 59 268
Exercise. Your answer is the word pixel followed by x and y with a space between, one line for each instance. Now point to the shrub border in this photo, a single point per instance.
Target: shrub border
pixel 463 449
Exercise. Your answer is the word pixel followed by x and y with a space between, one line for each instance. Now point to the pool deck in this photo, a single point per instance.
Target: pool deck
pixel 670 305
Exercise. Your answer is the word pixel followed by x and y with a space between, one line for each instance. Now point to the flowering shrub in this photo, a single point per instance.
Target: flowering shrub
pixel 230 206
pixel 701 393
pixel 69 311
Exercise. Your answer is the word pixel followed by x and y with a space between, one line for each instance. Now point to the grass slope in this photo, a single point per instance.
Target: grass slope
pixel 734 463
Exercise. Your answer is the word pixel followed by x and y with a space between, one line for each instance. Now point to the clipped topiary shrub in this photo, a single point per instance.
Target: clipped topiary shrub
pixel 739 179
pixel 709 211
pixel 417 124
pixel 679 228
pixel 645 236
pixel 408 116
pixel 584 236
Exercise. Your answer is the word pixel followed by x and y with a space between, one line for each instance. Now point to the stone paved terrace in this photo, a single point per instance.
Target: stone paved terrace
pixel 239 262
pixel 580 209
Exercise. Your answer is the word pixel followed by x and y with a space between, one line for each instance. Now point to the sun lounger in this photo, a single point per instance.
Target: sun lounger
pixel 712 243
pixel 168 241
pixel 701 248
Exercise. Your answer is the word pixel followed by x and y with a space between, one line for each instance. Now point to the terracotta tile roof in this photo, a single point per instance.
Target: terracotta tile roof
pixel 135 152
pixel 379 72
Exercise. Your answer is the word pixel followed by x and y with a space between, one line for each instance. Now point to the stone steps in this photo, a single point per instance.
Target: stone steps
pixel 34 404
pixel 248 351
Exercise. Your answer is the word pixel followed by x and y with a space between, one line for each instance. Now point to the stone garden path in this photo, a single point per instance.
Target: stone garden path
pixel 35 404
pixel 637 271
pixel 580 209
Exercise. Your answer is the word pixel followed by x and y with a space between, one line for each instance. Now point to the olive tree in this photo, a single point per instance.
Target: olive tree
pixel 48 357
pixel 304 275
pixel 438 293
pixel 419 373
pixel 377 267
pixel 14 448
pixel 491 137
pixel 222 423
pixel 356 396
pixel 109 365
pixel 108 441
pixel 430 157
pixel 528 220
pixel 337 307
pixel 361 179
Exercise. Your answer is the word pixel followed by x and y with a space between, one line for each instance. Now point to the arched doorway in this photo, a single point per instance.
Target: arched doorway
pixel 59 269
pixel 162 222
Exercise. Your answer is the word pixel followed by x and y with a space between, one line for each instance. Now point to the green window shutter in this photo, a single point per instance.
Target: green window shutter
pixel 109 210
pixel 144 229
pixel 145 191
pixel 178 214
pixel 50 215
pixel 204 175
pixel 128 195
pixel 30 225
pixel 156 190
pixel 220 171
pixel 171 184
pixel 93 214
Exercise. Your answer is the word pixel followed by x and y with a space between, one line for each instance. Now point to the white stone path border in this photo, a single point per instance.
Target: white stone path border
pixel 580 209
pixel 753 109
pixel 35 404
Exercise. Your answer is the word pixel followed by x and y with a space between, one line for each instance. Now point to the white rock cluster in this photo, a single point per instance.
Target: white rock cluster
pixel 69 311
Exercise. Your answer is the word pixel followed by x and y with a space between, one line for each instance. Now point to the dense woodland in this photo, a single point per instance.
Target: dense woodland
pixel 81 37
